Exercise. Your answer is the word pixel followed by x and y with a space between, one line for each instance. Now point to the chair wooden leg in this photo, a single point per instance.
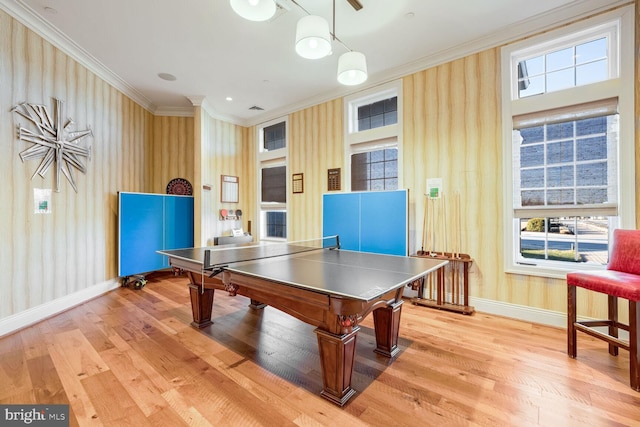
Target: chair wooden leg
pixel 571 320
pixel 634 337
pixel 613 322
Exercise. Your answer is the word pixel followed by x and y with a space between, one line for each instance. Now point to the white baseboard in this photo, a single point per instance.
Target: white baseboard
pixel 530 314
pixel 514 311
pixel 520 312
pixel 13 323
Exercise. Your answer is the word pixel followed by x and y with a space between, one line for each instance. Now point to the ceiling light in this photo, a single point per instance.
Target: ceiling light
pixel 313 38
pixel 352 68
pixel 166 76
pixel 254 10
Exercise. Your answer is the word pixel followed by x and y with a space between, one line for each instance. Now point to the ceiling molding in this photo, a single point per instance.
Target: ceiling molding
pixel 202 101
pixel 174 111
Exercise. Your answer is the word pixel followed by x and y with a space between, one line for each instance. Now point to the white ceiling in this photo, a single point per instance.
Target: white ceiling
pixel 216 54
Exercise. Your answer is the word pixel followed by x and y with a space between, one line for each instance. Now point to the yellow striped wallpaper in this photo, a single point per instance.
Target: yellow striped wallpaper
pixel 315 145
pixel 44 257
pixel 170 152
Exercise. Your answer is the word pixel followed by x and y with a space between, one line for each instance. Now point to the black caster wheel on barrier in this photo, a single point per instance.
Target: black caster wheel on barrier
pixel 125 282
pixel 139 284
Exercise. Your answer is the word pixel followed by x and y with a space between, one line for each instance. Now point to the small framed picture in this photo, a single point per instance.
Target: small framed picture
pixel 229 189
pixel 298 183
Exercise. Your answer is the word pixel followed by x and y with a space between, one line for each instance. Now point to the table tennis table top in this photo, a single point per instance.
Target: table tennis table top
pixel 324 269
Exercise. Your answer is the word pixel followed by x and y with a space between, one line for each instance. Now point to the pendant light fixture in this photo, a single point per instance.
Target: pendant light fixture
pixel 313 38
pixel 352 68
pixel 254 10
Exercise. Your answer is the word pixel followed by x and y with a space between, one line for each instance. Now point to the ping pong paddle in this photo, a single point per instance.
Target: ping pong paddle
pixel 238 213
pixel 223 213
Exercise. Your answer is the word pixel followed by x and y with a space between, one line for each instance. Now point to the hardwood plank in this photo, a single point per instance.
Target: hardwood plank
pixel 36 339
pixel 14 375
pixel 47 388
pixel 45 382
pixel 185 411
pixel 10 344
pixel 74 350
pixel 135 381
pixel 113 405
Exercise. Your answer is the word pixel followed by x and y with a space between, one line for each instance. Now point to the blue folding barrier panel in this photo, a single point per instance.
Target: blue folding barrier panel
pixel 375 221
pixel 148 223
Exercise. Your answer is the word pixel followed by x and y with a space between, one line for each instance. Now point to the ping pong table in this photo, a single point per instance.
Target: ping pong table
pixel 315 282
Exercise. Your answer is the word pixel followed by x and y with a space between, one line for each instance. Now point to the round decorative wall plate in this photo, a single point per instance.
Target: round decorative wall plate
pixel 179 186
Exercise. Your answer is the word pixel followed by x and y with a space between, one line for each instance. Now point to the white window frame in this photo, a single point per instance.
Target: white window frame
pixel 622 23
pixel 379 138
pixel 266 159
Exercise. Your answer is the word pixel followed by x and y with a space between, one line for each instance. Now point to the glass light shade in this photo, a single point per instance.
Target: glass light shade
pixel 352 68
pixel 313 39
pixel 254 10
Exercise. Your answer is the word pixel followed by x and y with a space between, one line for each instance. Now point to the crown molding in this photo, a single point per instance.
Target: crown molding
pixel 202 101
pixel 173 111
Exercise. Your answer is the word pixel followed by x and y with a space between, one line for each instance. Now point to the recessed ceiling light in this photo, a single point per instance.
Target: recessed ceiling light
pixel 409 15
pixel 228 98
pixel 166 76
pixel 50 10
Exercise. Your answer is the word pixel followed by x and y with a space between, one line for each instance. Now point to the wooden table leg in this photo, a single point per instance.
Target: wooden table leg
pixel 201 306
pixel 256 305
pixel 337 355
pixel 440 286
pixel 386 321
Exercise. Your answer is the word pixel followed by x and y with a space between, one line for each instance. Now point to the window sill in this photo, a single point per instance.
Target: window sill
pixel 550 271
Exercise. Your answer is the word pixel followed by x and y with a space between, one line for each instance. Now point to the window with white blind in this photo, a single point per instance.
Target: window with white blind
pixel 373 149
pixel 568 146
pixel 565 160
pixel 272 164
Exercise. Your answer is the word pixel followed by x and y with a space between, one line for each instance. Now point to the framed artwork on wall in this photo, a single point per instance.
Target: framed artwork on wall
pixel 229 189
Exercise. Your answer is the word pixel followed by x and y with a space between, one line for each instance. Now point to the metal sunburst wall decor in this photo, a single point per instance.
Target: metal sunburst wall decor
pixel 53 142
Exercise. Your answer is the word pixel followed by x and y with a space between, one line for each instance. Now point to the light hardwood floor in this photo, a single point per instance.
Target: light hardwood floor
pixel 130 358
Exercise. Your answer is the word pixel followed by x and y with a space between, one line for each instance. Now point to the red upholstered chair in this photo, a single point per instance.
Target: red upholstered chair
pixel 621 279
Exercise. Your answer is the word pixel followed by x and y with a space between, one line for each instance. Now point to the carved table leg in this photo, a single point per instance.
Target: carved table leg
pixel 257 305
pixel 386 321
pixel 201 306
pixel 337 355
